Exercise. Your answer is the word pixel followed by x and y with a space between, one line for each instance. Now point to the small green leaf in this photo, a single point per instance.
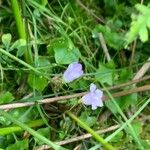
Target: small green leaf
pixel 79 84
pixel 64 51
pixel 64 55
pixel 124 75
pixel 44 2
pixel 6 39
pixel 19 145
pixel 21 51
pixel 37 82
pixel 87 119
pixel 44 132
pixel 124 102
pixel 6 97
pixel 20 45
pixel 113 39
pixel 104 74
pixel 44 64
pixel 143 33
pixel 148 22
pixel 139 24
pixel 137 126
pixel 118 137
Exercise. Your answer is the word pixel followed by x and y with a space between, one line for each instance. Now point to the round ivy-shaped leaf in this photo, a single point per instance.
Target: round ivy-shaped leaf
pixel 65 55
pixel 37 82
pixel 6 39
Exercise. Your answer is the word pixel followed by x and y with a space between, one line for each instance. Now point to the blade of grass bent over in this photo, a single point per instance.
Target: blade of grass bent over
pixel 124 117
pixel 105 144
pixel 129 121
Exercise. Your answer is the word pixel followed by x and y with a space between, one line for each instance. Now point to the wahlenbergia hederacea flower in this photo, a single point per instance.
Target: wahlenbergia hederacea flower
pixel 93 98
pixel 73 72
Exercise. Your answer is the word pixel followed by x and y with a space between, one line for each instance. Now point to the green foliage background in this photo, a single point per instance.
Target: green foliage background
pixel 60 32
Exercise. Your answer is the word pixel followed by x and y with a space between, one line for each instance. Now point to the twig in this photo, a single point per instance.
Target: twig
pixel 85 136
pixel 82 137
pixel 127 92
pixel 142 70
pixel 90 12
pixel 104 47
pixel 59 98
pixel 129 83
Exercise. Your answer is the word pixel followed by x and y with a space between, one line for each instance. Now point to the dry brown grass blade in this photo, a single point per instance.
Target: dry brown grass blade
pixel 59 98
pixel 82 137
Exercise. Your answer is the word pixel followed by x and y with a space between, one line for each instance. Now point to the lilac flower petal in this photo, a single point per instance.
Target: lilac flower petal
pixel 72 65
pixel 94 106
pixel 67 77
pixel 98 101
pixel 76 74
pixel 73 72
pixel 86 99
pixel 100 104
pixel 77 66
pixel 99 93
pixel 92 87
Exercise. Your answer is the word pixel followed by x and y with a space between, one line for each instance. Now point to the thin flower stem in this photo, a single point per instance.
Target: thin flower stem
pixel 92 132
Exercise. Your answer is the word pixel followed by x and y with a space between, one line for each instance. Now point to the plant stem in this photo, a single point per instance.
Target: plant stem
pixel 92 132
pixel 20 61
pixel 18 18
pixel 20 27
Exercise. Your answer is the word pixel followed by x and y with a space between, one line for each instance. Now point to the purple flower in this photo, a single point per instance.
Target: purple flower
pixel 94 97
pixel 73 72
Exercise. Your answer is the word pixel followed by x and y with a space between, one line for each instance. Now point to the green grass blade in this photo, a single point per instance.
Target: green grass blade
pixel 135 137
pixel 12 129
pixel 129 121
pixel 20 26
pixel 31 131
pixel 21 62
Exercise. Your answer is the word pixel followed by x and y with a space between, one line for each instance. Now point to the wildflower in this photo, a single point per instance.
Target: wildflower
pixel 93 98
pixel 73 72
